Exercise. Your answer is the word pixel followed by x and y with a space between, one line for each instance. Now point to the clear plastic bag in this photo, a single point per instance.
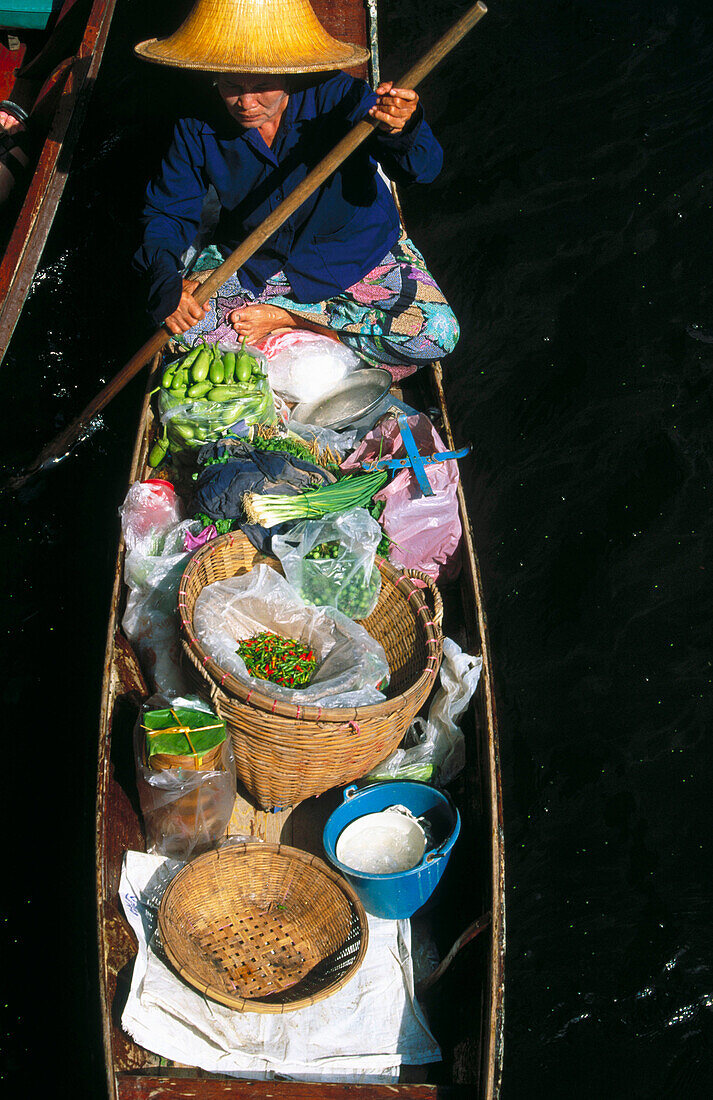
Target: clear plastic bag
pixel 330 562
pixel 302 366
pixel 433 749
pixel 349 659
pixel 152 572
pixel 149 510
pixel 339 443
pixel 190 424
pixel 185 811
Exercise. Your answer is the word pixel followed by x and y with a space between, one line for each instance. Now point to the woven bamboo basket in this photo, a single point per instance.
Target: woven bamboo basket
pixel 286 753
pixel 210 761
pixel 262 927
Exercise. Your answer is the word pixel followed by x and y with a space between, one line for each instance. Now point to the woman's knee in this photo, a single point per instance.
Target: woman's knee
pixel 442 329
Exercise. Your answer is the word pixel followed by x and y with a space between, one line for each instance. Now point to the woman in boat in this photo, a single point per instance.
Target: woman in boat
pixel 340 265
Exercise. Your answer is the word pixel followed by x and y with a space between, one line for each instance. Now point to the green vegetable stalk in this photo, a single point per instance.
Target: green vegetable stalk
pixel 353 491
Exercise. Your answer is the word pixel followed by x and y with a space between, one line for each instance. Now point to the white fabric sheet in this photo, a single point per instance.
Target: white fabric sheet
pixel 363 1033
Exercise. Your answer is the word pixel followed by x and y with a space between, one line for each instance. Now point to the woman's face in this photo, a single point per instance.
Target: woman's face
pixel 253 100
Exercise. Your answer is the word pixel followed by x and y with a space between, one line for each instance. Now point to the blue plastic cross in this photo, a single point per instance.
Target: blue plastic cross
pixel 414 459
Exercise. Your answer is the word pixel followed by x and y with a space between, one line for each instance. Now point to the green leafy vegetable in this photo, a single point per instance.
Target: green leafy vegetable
pixel 353 491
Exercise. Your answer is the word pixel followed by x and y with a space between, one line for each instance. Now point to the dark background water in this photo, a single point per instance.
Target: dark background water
pixel 571 230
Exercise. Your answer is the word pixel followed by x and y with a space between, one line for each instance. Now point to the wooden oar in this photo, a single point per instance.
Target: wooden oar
pixel 60 447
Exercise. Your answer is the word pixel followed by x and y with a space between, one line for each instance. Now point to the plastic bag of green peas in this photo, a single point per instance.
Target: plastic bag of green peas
pixel 331 561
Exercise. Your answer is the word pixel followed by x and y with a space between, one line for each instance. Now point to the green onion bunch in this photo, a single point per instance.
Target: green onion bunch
pixel 353 491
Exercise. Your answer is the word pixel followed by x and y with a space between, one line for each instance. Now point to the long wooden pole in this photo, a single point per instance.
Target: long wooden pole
pixel 55 451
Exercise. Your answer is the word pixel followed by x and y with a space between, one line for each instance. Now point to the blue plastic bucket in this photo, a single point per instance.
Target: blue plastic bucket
pixel 395 896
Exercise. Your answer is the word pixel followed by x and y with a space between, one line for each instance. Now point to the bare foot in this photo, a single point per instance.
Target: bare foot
pixel 254 322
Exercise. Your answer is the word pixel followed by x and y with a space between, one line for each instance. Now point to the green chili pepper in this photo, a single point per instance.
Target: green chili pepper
pixel 282 660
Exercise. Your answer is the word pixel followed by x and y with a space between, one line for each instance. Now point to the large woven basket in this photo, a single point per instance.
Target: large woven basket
pixel 286 753
pixel 262 927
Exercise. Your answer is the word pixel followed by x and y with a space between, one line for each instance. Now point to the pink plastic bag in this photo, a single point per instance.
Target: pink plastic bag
pixel 426 530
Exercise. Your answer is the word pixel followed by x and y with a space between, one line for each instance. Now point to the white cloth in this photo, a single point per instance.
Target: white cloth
pixel 362 1033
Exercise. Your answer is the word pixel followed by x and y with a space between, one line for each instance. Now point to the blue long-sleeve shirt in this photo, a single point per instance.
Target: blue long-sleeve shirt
pixel 339 234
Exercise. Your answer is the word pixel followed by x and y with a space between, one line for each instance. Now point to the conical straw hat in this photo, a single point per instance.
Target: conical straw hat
pixel 252 36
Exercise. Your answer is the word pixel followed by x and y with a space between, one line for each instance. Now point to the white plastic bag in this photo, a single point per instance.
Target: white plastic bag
pixel 349 659
pixel 302 366
pixel 330 561
pixel 433 750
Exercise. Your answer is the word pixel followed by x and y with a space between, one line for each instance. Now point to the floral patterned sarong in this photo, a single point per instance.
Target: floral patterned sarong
pixel 395 316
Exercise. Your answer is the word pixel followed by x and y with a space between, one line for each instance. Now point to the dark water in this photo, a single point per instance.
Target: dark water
pixel 571 229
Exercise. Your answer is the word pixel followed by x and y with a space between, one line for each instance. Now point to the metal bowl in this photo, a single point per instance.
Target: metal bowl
pixel 357 396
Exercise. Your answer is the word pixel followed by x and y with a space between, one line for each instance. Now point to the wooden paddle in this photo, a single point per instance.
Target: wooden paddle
pixel 60 447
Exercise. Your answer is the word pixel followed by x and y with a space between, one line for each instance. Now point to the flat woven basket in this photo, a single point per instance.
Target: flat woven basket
pixel 262 927
pixel 285 753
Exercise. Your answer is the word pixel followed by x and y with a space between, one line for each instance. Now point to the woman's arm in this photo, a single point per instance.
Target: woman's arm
pixel 171 220
pixel 403 143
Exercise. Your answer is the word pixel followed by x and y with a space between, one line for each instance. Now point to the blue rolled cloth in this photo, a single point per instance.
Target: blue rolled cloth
pixel 220 487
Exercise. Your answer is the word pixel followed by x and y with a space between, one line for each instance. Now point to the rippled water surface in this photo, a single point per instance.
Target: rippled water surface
pixel 571 229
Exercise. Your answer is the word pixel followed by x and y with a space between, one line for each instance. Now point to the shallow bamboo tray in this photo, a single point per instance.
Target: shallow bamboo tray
pixel 262 927
pixel 286 753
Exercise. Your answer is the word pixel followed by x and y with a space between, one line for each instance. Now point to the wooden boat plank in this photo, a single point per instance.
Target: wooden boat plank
pixel 156 1087
pixel 490 767
pixel 245 820
pixel 35 219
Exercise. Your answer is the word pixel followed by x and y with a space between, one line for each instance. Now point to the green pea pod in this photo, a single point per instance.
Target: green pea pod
pixel 198 389
pixel 199 370
pixel 229 366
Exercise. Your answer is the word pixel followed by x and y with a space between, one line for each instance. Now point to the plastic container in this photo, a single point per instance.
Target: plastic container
pixel 26 14
pixel 382 843
pixel 400 894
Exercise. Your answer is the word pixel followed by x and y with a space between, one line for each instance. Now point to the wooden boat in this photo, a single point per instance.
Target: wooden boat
pixel 465 1005
pixel 50 74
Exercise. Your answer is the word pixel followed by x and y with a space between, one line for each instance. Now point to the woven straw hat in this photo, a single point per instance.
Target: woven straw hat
pixel 252 36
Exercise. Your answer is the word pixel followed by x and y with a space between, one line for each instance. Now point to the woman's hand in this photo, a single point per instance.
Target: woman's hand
pixel 394 107
pixel 187 313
